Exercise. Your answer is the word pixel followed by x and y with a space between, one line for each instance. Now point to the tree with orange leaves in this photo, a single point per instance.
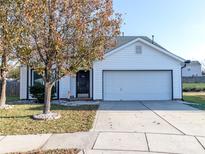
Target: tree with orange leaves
pixel 60 37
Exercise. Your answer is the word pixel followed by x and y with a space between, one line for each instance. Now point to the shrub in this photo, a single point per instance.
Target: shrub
pixel 193 89
pixel 38 91
pixel 186 89
pixel 198 89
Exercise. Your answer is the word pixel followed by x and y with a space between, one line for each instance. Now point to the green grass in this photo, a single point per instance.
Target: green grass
pixel 19 119
pixel 12 98
pixel 57 151
pixel 193 85
pixel 198 99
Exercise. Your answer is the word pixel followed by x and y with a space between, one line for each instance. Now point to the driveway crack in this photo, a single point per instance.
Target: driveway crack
pixel 162 118
pixel 199 142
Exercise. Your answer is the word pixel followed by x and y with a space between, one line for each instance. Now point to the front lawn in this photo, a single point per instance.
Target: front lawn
pixel 198 98
pixel 19 119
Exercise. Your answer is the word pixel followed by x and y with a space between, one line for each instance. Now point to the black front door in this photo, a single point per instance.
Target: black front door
pixel 83 83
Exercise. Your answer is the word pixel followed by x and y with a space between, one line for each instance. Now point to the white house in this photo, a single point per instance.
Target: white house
pixel 192 69
pixel 136 69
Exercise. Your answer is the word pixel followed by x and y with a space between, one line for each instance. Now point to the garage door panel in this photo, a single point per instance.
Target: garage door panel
pixel 137 85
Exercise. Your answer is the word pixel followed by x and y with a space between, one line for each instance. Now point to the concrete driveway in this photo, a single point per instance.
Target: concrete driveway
pixel 153 127
pixel 157 127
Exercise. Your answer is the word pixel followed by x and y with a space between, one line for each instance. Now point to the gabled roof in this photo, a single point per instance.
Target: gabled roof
pixel 123 40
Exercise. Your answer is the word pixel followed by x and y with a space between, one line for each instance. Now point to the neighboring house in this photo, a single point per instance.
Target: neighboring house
pixel 136 69
pixel 192 69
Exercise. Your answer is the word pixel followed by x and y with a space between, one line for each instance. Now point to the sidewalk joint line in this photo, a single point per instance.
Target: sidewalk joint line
pixel 3 138
pixel 95 141
pixel 40 148
pixel 165 152
pixel 83 151
pixel 144 132
pixel 147 142
pixel 96 119
pixel 132 151
pixel 130 132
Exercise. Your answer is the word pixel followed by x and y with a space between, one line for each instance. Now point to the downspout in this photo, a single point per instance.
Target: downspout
pixel 27 89
pixel 58 90
pixel 92 83
pixel 185 64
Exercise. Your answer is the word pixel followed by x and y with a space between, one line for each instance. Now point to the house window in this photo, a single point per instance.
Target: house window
pixel 138 49
pixel 36 78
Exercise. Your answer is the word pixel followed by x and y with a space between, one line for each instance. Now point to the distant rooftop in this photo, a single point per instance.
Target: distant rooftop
pixel 195 62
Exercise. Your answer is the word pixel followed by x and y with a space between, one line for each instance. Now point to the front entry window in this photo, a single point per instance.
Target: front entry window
pixel 83 84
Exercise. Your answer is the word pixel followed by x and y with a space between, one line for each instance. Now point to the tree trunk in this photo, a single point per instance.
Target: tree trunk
pixel 47 98
pixel 3 79
pixel 3 92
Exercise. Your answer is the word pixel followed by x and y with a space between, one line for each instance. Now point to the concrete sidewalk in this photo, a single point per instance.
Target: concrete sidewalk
pixel 24 143
pixel 106 143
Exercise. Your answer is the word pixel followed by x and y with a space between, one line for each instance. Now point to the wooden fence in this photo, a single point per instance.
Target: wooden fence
pixel 13 88
pixel 195 79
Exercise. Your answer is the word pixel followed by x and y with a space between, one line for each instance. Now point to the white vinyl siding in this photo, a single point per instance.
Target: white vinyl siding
pixel 127 59
pixel 64 87
pixel 124 58
pixel 73 86
pixel 192 70
pixel 23 82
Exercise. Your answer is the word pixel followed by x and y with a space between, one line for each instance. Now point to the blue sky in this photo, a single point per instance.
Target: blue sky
pixel 178 25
